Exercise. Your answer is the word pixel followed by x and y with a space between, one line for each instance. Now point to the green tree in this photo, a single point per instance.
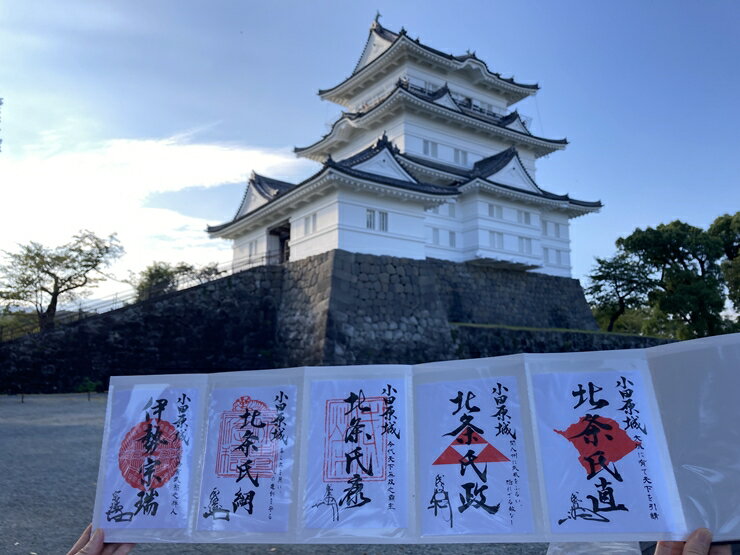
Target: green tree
pixel 726 228
pixel 690 285
pixel 42 277
pixel 160 278
pixel 617 284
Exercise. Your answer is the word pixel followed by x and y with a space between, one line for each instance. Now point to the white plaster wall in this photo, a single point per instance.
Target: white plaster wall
pixel 417 128
pixel 473 225
pixel 456 84
pixel 326 235
pixel 368 137
pixel 240 247
pixel 341 223
pixel 445 219
pixel 418 75
pixel 555 244
pixel 405 235
pixel 377 90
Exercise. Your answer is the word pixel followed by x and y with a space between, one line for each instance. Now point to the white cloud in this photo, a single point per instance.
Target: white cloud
pixel 49 195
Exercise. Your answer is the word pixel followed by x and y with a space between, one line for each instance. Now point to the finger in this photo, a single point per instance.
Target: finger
pixel 117 548
pixel 95 545
pixel 669 548
pixel 699 542
pixel 83 539
pixel 721 550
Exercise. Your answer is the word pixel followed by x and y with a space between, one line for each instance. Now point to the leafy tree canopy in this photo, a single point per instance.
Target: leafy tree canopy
pixel 42 277
pixel 687 261
pixel 617 284
pixel 160 278
pixel 727 229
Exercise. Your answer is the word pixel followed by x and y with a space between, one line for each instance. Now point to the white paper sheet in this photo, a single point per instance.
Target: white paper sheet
pixel 357 457
pixel 246 482
pixel 472 462
pixel 150 457
pixel 598 446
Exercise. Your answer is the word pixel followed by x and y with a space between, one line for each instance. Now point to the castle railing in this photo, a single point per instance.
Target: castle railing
pixel 85 308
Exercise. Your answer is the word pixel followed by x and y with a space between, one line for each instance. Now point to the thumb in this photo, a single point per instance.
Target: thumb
pixel 699 542
pixel 94 546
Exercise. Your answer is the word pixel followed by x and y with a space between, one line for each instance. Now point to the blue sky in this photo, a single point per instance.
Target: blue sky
pixel 145 118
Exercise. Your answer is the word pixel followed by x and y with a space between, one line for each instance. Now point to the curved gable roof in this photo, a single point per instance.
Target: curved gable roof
pixel 261 190
pixel 401 39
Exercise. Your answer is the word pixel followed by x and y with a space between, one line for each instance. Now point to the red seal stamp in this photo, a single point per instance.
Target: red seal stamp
pixel 372 442
pixel 231 434
pixel 132 456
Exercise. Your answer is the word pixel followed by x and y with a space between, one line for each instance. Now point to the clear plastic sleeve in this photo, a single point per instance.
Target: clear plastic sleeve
pixel 569 448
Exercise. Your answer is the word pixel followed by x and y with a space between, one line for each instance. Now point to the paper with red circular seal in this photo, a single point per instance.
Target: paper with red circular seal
pixel 132 455
pixel 172 458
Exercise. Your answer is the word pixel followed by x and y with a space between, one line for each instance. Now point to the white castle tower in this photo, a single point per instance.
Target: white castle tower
pixel 427 161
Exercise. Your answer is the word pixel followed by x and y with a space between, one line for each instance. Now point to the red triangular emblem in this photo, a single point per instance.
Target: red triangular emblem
pixel 452 456
pixel 491 454
pixel 468 437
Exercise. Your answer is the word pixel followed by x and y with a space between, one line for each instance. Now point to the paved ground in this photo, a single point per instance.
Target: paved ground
pixel 49 453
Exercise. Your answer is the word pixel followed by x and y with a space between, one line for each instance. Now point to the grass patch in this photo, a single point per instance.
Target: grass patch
pixel 560 330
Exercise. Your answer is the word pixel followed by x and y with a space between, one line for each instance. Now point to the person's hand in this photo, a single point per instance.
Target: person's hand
pixel 698 543
pixel 94 545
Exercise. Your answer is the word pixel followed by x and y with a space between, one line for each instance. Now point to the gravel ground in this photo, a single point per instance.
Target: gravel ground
pixel 49 453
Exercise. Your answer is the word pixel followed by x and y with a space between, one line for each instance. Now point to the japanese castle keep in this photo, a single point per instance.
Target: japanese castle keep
pixel 423 236
pixel 429 161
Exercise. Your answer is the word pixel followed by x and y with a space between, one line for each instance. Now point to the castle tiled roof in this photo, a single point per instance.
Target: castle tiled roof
pixel 270 187
pixel 402 87
pixel 276 189
pixel 394 37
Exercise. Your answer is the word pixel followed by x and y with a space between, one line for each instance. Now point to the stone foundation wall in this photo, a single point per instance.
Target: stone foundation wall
pixel 397 310
pixel 471 341
pixel 227 324
pixel 330 309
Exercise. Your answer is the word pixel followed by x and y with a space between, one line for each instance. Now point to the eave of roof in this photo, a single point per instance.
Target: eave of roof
pixel 581 206
pixel 506 84
pixel 332 166
pixel 402 89
pixel 487 167
pixel 481 170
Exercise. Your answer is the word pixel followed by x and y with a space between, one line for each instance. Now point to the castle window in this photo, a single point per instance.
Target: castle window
pixel 453 239
pixel 435 236
pixel 525 245
pixel 524 217
pixel 370 219
pixel 376 219
pixel 496 211
pixel 496 240
pixel 431 148
pixel 309 224
pixel 461 157
pixel 451 210
pixel 252 248
pixel 383 221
